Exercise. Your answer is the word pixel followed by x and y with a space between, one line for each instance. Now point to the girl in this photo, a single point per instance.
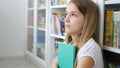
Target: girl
pixel 81 18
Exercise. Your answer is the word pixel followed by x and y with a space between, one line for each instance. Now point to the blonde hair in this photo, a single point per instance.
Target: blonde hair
pixel 91 17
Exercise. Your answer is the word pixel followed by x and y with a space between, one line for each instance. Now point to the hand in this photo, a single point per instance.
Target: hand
pixel 55 62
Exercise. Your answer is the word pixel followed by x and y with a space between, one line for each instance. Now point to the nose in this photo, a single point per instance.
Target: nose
pixel 67 18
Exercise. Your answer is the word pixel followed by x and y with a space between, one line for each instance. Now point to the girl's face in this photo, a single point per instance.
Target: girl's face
pixel 74 19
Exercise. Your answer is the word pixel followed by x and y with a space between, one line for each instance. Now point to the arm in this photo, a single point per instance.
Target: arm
pixel 85 62
pixel 55 62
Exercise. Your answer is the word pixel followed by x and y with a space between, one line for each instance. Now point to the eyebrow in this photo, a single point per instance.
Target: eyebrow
pixel 73 12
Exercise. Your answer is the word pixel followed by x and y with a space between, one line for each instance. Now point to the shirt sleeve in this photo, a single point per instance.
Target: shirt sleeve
pixel 90 49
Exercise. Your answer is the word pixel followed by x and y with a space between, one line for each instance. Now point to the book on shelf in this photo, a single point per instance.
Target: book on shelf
pixel 41 19
pixel 31 4
pixel 30 41
pixel 41 37
pixel 30 18
pixel 41 3
pixel 57 25
pixel 41 23
pixel 56 41
pixel 66 55
pixel 111 65
pixel 108 34
pixel 117 29
pixel 59 2
pixel 112 29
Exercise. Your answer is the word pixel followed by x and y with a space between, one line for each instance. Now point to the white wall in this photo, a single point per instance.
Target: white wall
pixel 12 25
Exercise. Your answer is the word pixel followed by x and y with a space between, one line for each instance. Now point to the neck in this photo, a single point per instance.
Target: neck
pixel 75 39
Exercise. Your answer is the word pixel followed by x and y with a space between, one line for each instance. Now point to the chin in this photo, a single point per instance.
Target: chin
pixel 68 32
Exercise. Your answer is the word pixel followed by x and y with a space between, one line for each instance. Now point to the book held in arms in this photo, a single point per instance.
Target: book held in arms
pixel 66 55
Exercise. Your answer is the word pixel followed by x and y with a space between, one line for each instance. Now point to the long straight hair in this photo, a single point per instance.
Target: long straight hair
pixel 91 17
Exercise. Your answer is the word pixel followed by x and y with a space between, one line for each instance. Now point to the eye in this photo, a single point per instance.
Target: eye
pixel 73 14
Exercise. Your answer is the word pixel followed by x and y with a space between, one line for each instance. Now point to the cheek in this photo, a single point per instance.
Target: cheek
pixel 77 25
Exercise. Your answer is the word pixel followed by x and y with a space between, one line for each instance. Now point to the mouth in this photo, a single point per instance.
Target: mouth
pixel 66 25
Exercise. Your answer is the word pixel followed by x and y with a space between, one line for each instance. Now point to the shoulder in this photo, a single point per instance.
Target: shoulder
pixel 93 50
pixel 90 48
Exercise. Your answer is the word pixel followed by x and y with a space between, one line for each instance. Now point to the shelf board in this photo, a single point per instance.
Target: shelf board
pixel 42 29
pixel 29 53
pixel 115 50
pixel 42 8
pixel 39 45
pixel 108 2
pixel 56 36
pixel 59 6
pixel 38 59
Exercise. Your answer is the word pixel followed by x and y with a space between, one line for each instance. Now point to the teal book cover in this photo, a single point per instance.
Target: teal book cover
pixel 66 55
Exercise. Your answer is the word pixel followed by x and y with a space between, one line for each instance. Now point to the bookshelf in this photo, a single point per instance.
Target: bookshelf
pixel 113 7
pixel 110 2
pixel 43 28
pixel 30 26
pixel 111 30
pixel 56 33
pixel 36 31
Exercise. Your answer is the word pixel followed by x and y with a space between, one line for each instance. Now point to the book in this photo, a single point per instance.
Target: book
pixel 56 41
pixel 66 55
pixel 109 28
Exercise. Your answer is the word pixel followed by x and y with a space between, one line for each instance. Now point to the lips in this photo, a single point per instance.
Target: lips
pixel 66 25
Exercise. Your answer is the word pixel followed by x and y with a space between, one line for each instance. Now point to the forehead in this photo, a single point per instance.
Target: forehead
pixel 72 7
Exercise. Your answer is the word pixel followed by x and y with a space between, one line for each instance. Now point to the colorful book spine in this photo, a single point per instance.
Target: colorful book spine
pixel 59 28
pixel 59 2
pixel 112 29
pixel 117 28
pixel 110 34
pixel 111 65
